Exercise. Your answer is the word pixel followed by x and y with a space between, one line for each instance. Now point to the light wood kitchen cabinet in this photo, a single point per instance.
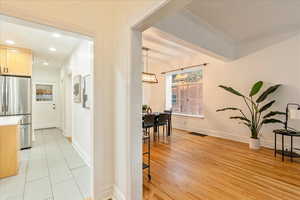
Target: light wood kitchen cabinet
pixel 9 150
pixel 2 57
pixel 16 61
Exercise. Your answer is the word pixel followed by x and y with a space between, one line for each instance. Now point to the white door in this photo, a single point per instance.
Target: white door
pixel 45 111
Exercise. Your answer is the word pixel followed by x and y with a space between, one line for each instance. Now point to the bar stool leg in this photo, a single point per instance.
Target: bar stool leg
pixel 154 133
pixel 149 162
pixel 275 148
pixel 291 149
pixel 158 133
pixel 282 147
pixel 163 133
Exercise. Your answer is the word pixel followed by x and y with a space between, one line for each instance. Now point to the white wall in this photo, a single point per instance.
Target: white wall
pixel 106 22
pixel 66 115
pixel 80 119
pixel 278 64
pixel 40 118
pixel 146 93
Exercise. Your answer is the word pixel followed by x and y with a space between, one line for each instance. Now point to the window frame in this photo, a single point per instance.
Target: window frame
pixel 168 90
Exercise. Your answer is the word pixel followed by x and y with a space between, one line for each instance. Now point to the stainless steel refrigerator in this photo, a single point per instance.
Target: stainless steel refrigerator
pixel 15 100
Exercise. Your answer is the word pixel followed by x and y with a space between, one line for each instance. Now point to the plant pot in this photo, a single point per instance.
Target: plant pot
pixel 254 144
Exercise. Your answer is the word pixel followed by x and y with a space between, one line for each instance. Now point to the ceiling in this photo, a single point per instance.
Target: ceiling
pixel 246 21
pixel 39 40
pixel 165 48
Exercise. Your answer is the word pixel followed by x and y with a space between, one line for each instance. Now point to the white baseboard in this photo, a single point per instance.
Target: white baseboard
pixel 117 194
pixel 45 125
pixel 106 193
pixel 225 135
pixel 66 133
pixel 111 192
pixel 82 153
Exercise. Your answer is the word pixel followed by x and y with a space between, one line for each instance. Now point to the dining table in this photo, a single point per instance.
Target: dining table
pixel 156 116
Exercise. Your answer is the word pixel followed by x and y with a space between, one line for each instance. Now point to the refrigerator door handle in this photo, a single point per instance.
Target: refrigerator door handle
pixel 6 95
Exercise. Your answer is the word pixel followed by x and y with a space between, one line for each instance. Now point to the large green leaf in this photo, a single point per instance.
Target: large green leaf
pixel 229 108
pixel 241 118
pixel 273 113
pixel 266 93
pixel 271 121
pixel 267 106
pixel 256 88
pixel 231 90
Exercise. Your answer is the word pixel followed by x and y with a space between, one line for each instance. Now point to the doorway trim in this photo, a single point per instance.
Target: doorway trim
pixel 148 19
pixel 73 30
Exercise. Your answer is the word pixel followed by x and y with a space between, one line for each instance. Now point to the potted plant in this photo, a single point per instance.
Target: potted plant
pixel 255 117
pixel 144 108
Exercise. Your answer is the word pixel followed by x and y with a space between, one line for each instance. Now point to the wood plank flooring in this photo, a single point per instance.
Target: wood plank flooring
pixel 189 167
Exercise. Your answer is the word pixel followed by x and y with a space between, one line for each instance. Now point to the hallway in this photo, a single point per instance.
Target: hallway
pixel 51 170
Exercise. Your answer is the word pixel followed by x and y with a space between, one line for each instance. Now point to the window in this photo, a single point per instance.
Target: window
pixel 184 92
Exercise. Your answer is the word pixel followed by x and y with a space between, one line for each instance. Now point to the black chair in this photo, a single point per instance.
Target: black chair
pixel 162 120
pixel 170 119
pixel 149 121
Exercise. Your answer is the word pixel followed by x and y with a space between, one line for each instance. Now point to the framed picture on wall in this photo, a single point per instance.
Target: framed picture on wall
pixel 77 89
pixel 86 92
pixel 44 92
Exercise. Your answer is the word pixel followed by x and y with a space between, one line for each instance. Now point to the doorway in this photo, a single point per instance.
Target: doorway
pixel 59 156
pixel 45 101
pixel 162 10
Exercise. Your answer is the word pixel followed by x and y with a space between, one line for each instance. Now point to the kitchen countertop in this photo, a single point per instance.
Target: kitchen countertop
pixel 9 120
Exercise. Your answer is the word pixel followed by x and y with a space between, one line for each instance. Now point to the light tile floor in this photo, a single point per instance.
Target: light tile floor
pixel 51 170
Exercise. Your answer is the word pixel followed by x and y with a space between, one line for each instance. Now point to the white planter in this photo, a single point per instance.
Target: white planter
pixel 254 144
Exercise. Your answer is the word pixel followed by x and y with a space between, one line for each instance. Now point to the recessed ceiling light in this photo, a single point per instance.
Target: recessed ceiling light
pixel 56 35
pixel 9 42
pixel 45 63
pixel 52 49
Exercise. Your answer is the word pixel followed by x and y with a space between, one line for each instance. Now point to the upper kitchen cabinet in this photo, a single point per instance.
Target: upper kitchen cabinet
pixel 15 61
pixel 2 57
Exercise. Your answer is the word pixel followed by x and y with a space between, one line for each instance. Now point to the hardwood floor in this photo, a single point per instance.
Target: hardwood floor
pixel 188 167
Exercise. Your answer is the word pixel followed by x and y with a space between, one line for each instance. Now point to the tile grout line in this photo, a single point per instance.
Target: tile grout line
pixel 77 185
pixel 42 150
pixel 44 147
pixel 26 174
pixel 27 169
pixel 78 167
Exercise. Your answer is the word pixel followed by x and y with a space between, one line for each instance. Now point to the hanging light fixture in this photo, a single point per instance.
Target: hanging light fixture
pixel 146 76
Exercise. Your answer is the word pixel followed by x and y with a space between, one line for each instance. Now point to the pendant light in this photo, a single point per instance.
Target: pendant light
pixel 146 76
